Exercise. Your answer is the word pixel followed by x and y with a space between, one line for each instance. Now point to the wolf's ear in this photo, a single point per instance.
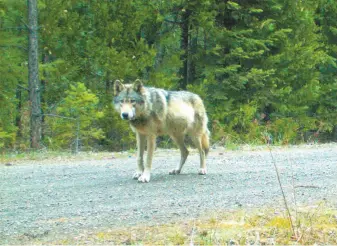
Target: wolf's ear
pixel 118 87
pixel 138 86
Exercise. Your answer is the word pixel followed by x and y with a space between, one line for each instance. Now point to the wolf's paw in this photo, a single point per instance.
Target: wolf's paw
pixel 174 172
pixel 137 175
pixel 145 177
pixel 202 171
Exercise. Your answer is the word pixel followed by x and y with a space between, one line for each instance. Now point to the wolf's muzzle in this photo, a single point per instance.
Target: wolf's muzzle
pixel 125 116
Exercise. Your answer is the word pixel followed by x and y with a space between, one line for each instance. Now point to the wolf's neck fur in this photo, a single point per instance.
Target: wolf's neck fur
pixel 140 121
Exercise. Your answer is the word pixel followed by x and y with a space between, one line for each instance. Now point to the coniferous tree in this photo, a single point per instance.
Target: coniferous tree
pixel 266 69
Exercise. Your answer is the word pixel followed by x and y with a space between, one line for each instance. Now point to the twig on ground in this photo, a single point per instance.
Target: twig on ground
pixel 294 191
pixel 192 234
pixel 307 186
pixel 284 197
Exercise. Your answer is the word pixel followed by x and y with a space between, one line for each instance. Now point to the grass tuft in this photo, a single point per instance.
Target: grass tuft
pixel 263 227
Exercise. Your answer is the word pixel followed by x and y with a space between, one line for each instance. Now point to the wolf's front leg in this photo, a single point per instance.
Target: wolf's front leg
pixel 141 140
pixel 151 145
pixel 140 153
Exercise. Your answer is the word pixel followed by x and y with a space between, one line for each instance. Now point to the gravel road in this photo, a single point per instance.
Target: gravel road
pixel 53 199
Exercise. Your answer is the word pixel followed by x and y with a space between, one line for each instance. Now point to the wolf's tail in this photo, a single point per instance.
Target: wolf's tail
pixel 205 141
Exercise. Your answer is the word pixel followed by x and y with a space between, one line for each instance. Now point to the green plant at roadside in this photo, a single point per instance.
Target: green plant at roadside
pixel 6 138
pixel 78 119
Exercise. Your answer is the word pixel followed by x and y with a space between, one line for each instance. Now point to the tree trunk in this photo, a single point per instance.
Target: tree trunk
pixel 18 122
pixel 33 73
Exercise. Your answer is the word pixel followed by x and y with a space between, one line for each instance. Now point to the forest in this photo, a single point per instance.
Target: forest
pixel 266 69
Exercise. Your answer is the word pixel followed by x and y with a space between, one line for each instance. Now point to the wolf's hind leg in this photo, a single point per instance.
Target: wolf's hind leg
pixel 198 143
pixel 140 153
pixel 179 140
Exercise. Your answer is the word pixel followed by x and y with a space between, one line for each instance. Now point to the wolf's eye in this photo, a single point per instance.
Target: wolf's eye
pixel 132 101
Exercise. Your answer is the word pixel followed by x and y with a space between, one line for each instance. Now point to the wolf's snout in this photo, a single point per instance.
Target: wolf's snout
pixel 125 116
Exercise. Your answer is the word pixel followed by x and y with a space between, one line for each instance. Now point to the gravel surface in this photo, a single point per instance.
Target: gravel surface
pixel 54 199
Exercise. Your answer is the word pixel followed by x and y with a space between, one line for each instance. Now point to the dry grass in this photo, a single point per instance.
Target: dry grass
pixel 314 225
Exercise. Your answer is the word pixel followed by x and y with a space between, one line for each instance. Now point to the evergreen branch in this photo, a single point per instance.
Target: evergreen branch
pixel 22 87
pixel 60 116
pixel 18 27
pixel 24 23
pixel 174 22
pixel 13 46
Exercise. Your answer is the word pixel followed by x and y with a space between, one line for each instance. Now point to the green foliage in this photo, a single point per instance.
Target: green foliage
pixel 284 130
pixel 13 69
pixel 77 113
pixel 6 138
pixel 272 60
pixel 265 69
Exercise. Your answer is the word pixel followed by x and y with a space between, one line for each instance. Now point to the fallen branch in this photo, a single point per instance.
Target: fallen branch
pixel 284 197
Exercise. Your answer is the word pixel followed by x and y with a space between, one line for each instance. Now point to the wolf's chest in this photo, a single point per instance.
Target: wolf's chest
pixel 149 126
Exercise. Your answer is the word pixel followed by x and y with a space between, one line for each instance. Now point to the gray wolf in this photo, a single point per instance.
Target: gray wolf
pixel 152 112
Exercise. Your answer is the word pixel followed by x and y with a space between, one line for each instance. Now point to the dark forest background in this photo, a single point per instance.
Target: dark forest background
pixel 266 69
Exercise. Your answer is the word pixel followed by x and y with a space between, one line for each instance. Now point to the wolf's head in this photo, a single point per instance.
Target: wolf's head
pixel 129 99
